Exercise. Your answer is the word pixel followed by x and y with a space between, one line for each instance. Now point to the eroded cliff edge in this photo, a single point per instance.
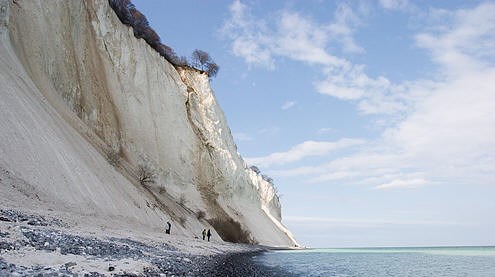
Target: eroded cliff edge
pixel 86 106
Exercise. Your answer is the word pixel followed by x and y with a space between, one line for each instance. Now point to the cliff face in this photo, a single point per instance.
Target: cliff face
pixel 88 108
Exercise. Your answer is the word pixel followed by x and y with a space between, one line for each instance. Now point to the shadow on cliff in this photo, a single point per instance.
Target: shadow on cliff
pixel 231 230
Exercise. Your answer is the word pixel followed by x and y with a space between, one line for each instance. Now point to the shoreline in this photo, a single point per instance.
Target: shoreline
pixel 32 244
pixel 243 264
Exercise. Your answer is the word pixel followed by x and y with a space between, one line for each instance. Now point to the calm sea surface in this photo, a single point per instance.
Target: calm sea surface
pixel 380 262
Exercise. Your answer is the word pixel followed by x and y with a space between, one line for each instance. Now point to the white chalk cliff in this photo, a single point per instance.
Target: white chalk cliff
pixel 84 105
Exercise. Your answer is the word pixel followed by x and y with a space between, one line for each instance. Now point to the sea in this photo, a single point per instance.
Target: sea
pixel 381 262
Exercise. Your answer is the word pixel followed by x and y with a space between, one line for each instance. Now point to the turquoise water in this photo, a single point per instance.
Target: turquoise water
pixel 380 262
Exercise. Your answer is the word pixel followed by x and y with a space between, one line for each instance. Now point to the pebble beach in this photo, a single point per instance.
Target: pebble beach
pixel 34 245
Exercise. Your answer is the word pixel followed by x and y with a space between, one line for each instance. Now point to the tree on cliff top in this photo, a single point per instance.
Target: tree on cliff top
pixel 202 61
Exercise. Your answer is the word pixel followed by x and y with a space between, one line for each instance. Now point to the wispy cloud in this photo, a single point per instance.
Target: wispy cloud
pixel 413 183
pixel 291 35
pixel 303 150
pixel 395 4
pixel 466 43
pixel 346 21
pixel 248 36
pixel 288 104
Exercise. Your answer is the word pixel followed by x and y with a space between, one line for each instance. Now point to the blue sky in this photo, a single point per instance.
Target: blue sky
pixel 375 118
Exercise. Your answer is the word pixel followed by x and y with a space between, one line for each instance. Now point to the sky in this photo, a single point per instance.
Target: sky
pixel 376 119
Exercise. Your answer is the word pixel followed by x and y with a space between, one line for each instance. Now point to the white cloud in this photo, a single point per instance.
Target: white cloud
pixel 345 22
pixel 333 176
pixel 249 40
pixel 451 129
pixel 464 45
pixel 395 4
pixel 291 35
pixel 288 104
pixel 302 40
pixel 369 169
pixel 395 184
pixel 303 150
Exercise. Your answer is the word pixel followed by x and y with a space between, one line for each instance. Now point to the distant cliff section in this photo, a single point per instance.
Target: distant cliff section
pixel 97 124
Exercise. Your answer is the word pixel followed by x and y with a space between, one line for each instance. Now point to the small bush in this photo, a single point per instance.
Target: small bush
pixel 151 37
pixel 166 52
pixel 122 9
pixel 182 220
pixel 146 175
pixel 112 157
pixel 267 178
pixel 200 215
pixel 182 200
pixel 139 23
pixel 162 190
pixel 255 169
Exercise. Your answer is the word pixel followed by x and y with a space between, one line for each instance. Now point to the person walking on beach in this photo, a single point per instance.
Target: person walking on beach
pixel 167 231
pixel 208 234
pixel 204 234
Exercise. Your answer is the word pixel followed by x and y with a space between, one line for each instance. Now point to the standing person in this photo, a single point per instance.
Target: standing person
pixel 208 234
pixel 204 234
pixel 167 231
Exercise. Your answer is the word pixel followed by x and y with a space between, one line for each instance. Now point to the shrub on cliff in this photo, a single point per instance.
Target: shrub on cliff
pixel 169 54
pixel 255 169
pixel 267 178
pixel 146 175
pixel 122 9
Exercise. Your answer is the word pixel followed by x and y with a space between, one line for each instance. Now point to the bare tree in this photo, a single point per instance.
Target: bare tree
pixel 212 69
pixel 202 61
pixel 146 175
